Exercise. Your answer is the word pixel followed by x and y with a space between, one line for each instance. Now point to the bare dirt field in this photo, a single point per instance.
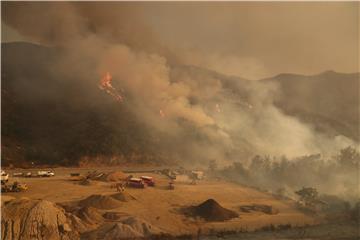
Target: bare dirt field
pixel 161 207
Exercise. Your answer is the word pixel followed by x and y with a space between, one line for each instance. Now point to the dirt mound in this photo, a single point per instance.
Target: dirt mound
pixel 129 228
pixel 113 231
pixel 89 215
pixel 100 201
pixel 5 199
pixel 141 226
pixel 123 196
pixel 114 176
pixel 210 210
pixel 78 224
pixel 106 177
pixel 35 219
pixel 113 215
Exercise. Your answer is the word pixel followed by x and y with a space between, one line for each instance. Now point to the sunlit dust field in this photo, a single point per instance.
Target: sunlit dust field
pixel 161 207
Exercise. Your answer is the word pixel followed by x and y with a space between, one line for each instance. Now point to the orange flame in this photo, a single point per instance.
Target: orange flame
pixel 162 114
pixel 105 84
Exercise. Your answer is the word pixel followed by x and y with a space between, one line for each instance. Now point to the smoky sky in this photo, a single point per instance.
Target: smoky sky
pixel 148 47
pixel 252 40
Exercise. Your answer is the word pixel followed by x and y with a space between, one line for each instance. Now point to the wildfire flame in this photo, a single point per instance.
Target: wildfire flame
pixel 162 114
pixel 105 85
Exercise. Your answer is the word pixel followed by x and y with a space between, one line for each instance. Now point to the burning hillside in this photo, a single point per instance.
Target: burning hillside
pixel 210 111
pixel 105 84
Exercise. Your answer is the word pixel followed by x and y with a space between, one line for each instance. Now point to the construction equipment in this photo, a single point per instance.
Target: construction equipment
pixel 15 187
pixel 94 175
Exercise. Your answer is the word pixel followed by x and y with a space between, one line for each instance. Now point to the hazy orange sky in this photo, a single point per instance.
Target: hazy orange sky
pixel 252 40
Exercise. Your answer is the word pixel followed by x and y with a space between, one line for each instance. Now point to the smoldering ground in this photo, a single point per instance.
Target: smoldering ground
pixel 191 113
pixel 282 176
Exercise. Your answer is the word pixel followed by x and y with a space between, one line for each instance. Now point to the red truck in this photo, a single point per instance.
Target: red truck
pixel 148 181
pixel 135 183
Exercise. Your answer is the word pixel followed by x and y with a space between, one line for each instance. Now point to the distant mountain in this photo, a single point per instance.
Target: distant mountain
pixel 48 117
pixel 329 101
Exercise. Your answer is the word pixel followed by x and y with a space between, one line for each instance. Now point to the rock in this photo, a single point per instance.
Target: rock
pixel 89 215
pixel 35 219
pixel 128 228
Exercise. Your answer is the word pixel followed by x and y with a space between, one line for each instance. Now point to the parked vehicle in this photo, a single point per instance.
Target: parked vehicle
pixel 46 173
pixel 18 174
pixel 148 180
pixel 135 183
pixel 4 177
pixel 15 187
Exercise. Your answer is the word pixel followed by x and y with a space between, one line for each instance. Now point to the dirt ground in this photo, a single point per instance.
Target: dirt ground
pixel 161 207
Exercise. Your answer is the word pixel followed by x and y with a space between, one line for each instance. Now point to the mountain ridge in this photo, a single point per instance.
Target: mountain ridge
pixel 48 118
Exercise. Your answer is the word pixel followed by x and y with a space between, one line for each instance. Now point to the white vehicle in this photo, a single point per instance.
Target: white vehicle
pixel 4 176
pixel 18 174
pixel 45 173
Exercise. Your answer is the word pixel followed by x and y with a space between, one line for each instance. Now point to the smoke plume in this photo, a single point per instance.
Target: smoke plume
pixel 194 112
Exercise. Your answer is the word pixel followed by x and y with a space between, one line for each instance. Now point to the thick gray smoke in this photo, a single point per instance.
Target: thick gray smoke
pixel 200 115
